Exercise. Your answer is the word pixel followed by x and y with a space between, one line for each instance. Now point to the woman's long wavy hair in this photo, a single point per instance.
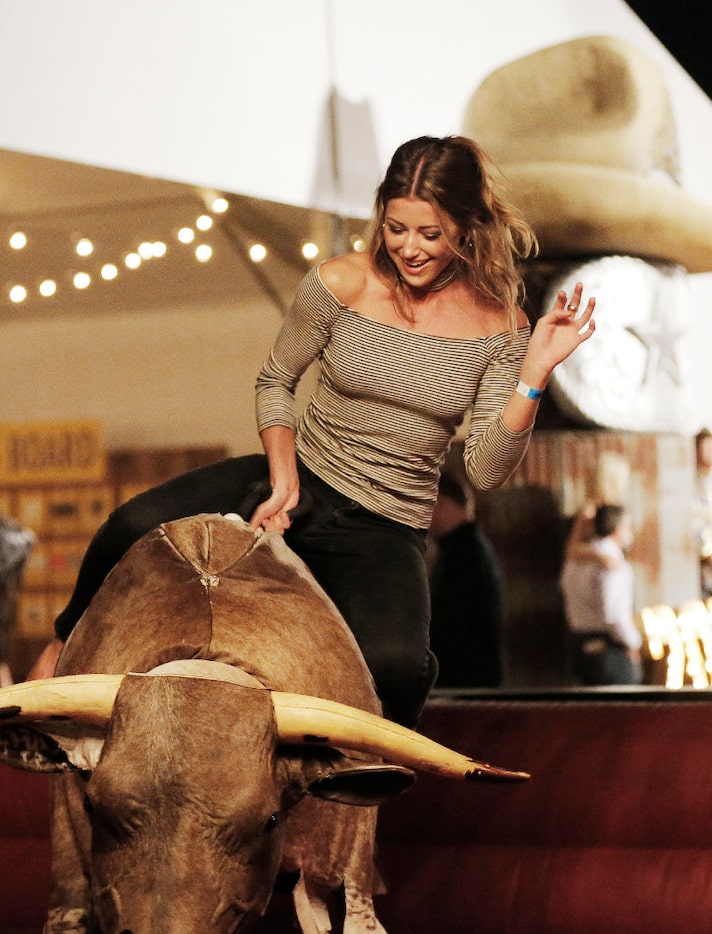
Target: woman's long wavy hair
pixel 456 176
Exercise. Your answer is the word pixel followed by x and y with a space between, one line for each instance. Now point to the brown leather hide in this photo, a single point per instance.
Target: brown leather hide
pixel 207 588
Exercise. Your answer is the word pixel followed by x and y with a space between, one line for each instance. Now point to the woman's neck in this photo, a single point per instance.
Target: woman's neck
pixel 443 279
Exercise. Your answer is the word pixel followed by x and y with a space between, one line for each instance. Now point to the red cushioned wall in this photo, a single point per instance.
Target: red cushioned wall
pixel 612 834
pixel 24 851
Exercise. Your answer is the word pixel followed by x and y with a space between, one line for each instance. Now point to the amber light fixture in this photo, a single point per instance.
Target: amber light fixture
pixel 683 637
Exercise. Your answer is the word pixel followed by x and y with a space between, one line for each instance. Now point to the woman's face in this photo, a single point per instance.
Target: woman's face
pixel 416 241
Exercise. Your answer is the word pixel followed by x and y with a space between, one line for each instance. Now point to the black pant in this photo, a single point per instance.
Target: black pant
pixel 598 660
pixel 372 568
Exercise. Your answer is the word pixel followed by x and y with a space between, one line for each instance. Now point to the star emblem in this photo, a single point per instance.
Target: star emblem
pixel 660 338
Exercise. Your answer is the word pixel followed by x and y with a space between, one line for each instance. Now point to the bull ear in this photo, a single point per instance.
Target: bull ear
pixel 65 747
pixel 366 784
pixel 23 747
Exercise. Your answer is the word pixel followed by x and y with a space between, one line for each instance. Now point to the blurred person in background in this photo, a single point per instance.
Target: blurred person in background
pixel 465 584
pixel 703 508
pixel 599 604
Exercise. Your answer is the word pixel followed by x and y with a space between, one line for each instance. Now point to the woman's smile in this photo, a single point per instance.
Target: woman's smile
pixel 418 240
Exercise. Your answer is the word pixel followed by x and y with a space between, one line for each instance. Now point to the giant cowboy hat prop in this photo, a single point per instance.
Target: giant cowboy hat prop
pixel 584 135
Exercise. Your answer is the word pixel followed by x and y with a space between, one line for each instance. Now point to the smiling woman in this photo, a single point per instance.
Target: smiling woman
pixel 408 338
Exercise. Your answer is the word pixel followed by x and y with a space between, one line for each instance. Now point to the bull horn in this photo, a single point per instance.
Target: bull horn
pixel 302 719
pixel 89 698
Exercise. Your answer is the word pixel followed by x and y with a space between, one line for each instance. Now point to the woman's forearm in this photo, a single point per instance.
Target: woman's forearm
pixel 279 444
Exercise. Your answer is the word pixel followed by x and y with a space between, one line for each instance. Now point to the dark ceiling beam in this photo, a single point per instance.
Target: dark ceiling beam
pixel 684 27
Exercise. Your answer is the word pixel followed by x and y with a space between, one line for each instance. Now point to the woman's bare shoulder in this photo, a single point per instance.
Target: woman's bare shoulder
pixel 347 277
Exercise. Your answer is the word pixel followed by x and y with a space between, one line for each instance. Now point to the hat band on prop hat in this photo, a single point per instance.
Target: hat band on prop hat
pixel 584 135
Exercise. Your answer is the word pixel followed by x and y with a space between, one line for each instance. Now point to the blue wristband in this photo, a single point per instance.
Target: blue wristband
pixel 528 391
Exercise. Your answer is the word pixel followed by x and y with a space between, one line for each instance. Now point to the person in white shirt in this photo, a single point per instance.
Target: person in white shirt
pixel 598 597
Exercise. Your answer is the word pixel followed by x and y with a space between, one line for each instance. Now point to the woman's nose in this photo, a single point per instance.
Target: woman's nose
pixel 410 245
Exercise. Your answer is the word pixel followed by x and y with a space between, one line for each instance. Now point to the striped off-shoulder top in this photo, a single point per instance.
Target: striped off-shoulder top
pixel 388 403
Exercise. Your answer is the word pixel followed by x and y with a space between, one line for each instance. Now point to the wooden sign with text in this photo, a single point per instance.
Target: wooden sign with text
pixel 52 452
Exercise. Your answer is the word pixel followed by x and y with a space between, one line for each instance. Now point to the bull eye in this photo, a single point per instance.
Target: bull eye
pixel 113 826
pixel 271 822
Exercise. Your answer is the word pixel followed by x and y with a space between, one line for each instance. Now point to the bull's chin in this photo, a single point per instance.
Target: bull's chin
pixel 299 718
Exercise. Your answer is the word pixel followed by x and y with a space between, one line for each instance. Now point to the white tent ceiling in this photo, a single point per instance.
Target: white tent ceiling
pixel 115 116
pixel 235 95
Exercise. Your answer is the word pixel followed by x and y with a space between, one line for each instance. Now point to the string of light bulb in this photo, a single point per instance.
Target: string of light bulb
pixel 84 248
pixel 45 287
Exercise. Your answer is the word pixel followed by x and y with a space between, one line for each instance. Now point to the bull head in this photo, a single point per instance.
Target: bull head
pixel 101 723
pixel 300 719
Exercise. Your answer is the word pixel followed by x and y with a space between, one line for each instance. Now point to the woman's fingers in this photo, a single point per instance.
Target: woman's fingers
pixel 272 515
pixel 279 522
pixel 575 299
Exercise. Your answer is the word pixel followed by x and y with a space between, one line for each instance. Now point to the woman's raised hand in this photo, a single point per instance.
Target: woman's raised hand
pixel 559 332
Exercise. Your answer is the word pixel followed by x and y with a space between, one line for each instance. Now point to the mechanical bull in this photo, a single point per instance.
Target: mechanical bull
pixel 218 761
